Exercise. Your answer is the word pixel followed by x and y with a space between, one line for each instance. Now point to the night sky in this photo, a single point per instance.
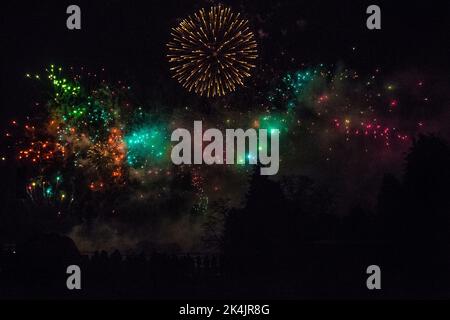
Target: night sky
pixel 369 94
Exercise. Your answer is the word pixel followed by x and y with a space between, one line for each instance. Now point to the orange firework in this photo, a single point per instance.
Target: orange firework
pixel 212 52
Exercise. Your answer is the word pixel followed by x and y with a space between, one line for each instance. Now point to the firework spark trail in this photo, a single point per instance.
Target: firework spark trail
pixel 212 52
pixel 342 103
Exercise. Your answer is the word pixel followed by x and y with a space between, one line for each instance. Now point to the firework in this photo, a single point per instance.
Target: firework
pixel 212 52
pixel 87 140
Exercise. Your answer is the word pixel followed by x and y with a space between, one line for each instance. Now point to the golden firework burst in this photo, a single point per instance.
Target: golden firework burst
pixel 212 52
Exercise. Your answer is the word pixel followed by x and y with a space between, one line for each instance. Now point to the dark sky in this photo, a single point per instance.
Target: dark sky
pixel 128 37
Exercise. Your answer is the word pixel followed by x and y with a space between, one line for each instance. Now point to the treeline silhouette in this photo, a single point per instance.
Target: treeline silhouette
pixel 287 242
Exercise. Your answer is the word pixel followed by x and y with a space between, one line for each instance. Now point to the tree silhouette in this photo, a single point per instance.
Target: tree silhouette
pixel 415 217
